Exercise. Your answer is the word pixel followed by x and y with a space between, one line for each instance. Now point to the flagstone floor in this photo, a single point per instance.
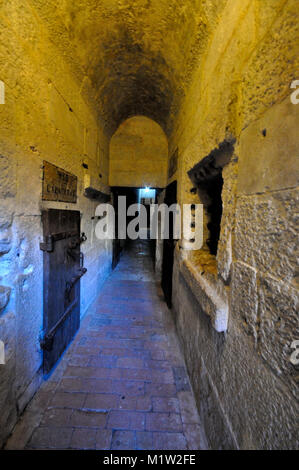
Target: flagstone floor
pixel 122 383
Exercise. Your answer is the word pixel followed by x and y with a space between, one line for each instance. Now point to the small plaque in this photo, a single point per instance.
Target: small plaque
pixel 58 184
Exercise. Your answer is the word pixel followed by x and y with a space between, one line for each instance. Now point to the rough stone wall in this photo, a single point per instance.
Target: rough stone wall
pixel 138 154
pixel 44 117
pixel 159 243
pixel 245 384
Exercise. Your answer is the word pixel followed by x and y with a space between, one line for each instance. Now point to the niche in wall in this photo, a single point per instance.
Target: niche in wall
pixel 206 177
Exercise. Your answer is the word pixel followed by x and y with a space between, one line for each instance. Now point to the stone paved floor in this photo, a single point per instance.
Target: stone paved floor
pixel 122 384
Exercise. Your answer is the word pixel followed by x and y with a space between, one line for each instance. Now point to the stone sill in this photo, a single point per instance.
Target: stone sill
pixel 205 292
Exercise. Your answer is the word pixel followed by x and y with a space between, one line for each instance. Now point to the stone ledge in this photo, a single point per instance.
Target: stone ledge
pixel 215 307
pixel 97 195
pixel 4 297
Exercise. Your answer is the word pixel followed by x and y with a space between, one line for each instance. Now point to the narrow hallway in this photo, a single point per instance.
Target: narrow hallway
pixel 122 384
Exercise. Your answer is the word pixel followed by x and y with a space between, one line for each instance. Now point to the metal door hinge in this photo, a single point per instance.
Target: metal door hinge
pixel 48 245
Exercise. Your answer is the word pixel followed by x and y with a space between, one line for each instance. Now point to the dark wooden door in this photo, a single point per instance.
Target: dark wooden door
pixel 63 268
pixel 168 246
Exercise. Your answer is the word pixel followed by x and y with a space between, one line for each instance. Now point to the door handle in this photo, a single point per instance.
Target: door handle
pixel 46 343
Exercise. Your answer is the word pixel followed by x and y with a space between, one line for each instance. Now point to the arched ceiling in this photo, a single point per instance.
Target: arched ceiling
pixel 137 55
pixel 138 154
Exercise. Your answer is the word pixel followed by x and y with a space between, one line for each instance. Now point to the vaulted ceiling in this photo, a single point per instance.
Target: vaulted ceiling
pixel 136 55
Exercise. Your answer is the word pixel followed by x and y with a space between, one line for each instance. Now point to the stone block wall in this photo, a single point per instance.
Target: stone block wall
pixel 242 58
pixel 46 116
pixel 245 384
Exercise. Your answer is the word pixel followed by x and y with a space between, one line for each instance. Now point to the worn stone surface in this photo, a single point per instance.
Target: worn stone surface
pixel 8 177
pixel 159 243
pixel 244 295
pixel 205 71
pixel 265 235
pixel 4 296
pixel 244 382
pixel 229 370
pixel 138 154
pixel 278 327
pixel 133 57
pixel 8 402
pixel 211 303
pixel 225 244
pixel 269 147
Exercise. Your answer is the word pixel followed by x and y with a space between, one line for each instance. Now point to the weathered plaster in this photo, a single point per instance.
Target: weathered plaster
pixel 204 70
pixel 138 154
pixel 244 381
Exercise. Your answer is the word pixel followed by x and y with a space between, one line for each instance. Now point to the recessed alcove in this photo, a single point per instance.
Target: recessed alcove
pixel 124 95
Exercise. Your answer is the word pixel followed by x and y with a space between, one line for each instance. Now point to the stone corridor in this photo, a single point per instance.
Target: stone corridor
pixel 122 384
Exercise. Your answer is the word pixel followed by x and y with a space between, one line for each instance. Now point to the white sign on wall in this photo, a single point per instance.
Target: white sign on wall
pixel 2 92
pixel 2 353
